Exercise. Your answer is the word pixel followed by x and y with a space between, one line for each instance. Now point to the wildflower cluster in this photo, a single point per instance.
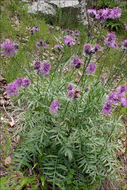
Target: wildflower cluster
pixel 72 92
pixel 110 41
pixel 89 50
pixel 69 40
pixel 75 33
pixel 104 14
pixel 71 37
pixel 43 68
pixel 114 98
pixel 13 88
pixel 42 44
pixel 64 116
pixel 34 29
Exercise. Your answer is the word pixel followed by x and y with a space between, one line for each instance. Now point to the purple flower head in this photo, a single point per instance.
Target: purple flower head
pixel 37 65
pixel 112 45
pixel 58 46
pixel 87 49
pixel 69 40
pixel 110 40
pixel 68 31
pixel 45 68
pixel 121 89
pixel 70 87
pixel 41 42
pixel 126 27
pixel 18 82
pixel 16 46
pixel 34 28
pixel 54 107
pixel 115 13
pixel 99 14
pixel 26 82
pixel 124 102
pixel 11 89
pixel 124 46
pixel 106 109
pixel 111 37
pixel 113 98
pixel 76 62
pixel 9 48
pixel 45 45
pixel 71 94
pixel 77 32
pixel 92 12
pixel 38 44
pixel 91 68
pixel 102 14
pixel 97 47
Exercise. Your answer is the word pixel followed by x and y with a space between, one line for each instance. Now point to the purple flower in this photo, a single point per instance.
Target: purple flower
pixel 42 44
pixel 110 40
pixel 37 65
pixel 9 48
pixel 26 82
pixel 45 45
pixel 58 46
pixel 111 37
pixel 18 82
pixel 54 107
pixel 106 109
pixel 12 89
pixel 113 98
pixel 35 28
pixel 91 68
pixel 126 27
pixel 45 68
pixel 124 46
pixel 102 14
pixel 124 102
pixel 69 40
pixel 38 44
pixel 77 32
pixel 87 49
pixel 112 45
pixel 115 13
pixel 92 12
pixel 97 47
pixel 71 94
pixel 76 62
pixel 121 89
pixel 70 87
pixel 68 32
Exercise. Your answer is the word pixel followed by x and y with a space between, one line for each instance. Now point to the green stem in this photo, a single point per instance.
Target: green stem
pixel 102 66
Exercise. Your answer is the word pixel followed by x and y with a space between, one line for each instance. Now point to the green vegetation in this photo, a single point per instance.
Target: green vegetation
pixel 76 147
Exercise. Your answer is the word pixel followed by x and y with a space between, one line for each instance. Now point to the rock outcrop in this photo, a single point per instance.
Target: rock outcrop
pixel 78 7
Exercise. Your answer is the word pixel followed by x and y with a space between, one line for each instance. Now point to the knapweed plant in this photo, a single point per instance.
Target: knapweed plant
pixel 68 123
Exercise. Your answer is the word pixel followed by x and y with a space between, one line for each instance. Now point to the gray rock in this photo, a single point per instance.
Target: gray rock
pixel 42 7
pixel 65 3
pixel 78 8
